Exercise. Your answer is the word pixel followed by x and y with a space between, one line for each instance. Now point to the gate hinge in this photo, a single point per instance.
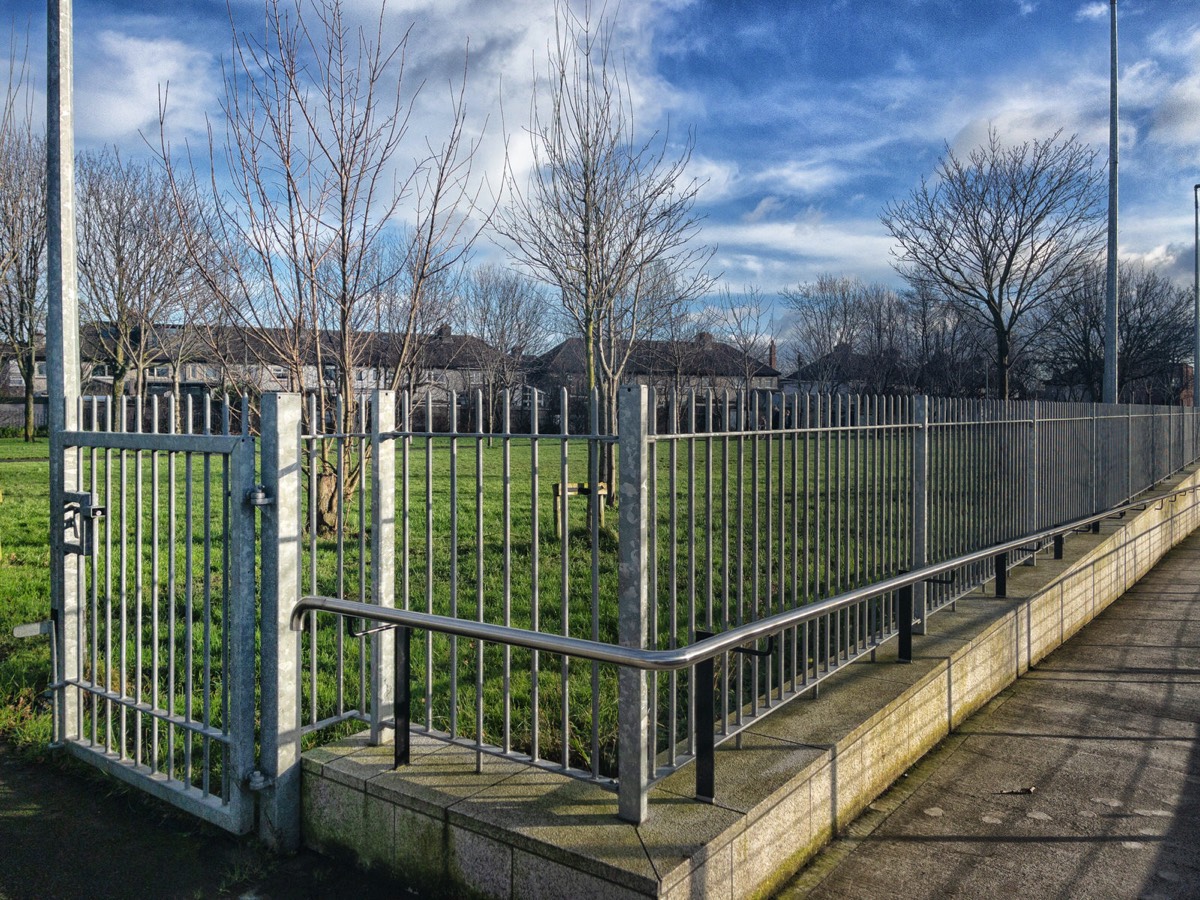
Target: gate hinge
pixel 259 782
pixel 257 496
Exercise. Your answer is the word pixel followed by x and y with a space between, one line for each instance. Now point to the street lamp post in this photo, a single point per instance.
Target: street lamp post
pixel 1196 307
pixel 1109 391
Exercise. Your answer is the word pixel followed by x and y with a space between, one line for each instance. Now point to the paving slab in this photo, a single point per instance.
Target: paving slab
pixel 1080 780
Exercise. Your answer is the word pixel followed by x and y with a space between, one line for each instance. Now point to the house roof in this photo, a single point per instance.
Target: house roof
pixel 703 357
pixel 233 344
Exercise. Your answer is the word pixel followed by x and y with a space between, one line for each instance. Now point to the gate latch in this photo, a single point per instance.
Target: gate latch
pixel 84 514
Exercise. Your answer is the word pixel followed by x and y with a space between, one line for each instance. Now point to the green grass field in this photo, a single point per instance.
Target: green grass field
pixel 758 526
pixel 24 590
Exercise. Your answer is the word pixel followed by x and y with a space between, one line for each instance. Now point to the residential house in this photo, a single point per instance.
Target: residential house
pixel 704 365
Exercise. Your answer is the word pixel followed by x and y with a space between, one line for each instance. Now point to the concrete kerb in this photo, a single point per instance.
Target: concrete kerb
pixel 799 776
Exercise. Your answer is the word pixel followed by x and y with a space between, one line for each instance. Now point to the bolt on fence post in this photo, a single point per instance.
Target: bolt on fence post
pixel 279 811
pixel 383 554
pixel 920 505
pixel 633 618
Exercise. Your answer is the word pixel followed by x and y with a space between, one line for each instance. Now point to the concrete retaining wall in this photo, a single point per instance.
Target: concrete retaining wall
pixel 800 775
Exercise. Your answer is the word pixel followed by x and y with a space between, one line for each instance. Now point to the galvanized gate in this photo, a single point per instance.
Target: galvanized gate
pixel 154 640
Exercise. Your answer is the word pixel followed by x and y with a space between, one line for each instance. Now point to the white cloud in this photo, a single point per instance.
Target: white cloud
pixel 763 210
pixel 1090 11
pixel 720 179
pixel 118 80
pixel 1177 117
pixel 802 177
pixel 775 255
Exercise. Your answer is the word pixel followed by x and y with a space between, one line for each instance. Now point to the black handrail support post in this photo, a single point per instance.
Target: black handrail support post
pixel 904 654
pixel 706 714
pixel 1001 574
pixel 403 701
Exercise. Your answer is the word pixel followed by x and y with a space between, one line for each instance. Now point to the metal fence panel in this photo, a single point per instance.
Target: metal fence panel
pixel 164 677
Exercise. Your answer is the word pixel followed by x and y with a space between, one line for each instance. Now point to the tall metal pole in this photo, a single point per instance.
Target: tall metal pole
pixel 1110 294
pixel 1196 308
pixel 62 345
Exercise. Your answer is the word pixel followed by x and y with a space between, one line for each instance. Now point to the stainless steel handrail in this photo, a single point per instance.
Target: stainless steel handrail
pixel 708 648
pixel 703 652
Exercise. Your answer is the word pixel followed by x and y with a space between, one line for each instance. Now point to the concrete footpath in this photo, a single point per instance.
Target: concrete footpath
pixel 68 832
pixel 1081 780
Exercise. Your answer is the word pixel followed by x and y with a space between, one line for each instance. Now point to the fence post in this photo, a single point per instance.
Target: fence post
pixel 383 554
pixel 1031 476
pixel 1095 463
pixel 634 726
pixel 920 504
pixel 279 804
pixel 1128 451
pixel 62 363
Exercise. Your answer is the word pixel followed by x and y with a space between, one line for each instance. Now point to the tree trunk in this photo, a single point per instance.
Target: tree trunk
pixel 25 362
pixel 327 502
pixel 29 421
pixel 1002 363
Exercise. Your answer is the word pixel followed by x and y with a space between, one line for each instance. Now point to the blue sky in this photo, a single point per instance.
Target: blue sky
pixel 807 116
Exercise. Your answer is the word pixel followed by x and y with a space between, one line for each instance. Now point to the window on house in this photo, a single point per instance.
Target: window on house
pixel 159 371
pixel 39 370
pixel 100 370
pixel 279 373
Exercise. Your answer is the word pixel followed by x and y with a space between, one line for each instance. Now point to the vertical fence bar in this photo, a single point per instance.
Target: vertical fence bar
pixel 635 726
pixel 383 554
pixel 1031 474
pixel 239 643
pixel 279 819
pixel 535 622
pixel 920 517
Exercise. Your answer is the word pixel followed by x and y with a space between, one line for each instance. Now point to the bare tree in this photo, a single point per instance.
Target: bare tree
pixel 750 327
pixel 135 269
pixel 1001 232
pixel 316 116
pixel 11 123
pixel 828 325
pixel 1154 333
pixel 22 232
pixel 683 338
pixel 508 313
pixel 884 341
pixel 947 351
pixel 607 217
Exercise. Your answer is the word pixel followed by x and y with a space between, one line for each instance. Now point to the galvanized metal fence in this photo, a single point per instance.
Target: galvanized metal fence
pixel 156 675
pixel 731 509
pixel 758 504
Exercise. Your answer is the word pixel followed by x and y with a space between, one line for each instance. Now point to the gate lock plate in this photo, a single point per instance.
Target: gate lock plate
pixel 83 515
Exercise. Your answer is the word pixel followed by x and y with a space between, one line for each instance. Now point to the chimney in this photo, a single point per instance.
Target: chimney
pixel 771 358
pixel 444 331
